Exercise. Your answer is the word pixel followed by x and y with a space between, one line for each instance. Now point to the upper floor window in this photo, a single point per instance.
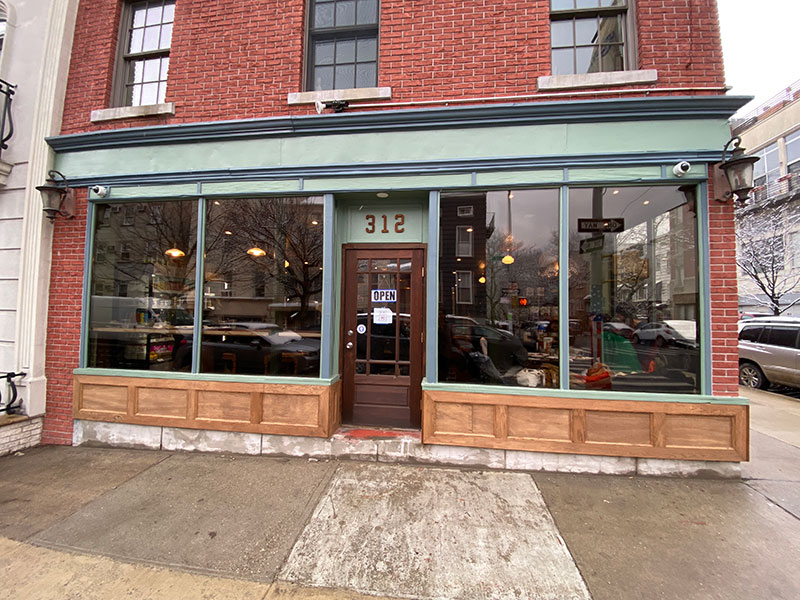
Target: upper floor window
pixel 464 240
pixel 588 36
pixel 463 287
pixel 768 169
pixel 343 44
pixel 144 54
pixel 792 149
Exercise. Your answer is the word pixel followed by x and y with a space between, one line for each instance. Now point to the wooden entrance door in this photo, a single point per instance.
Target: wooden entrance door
pixel 382 335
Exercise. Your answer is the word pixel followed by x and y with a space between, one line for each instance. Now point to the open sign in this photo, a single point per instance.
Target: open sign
pixel 384 295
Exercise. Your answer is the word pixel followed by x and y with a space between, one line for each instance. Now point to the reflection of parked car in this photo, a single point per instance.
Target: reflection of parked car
pixel 503 349
pixel 254 351
pixel 660 333
pixel 383 337
pixel 619 328
pixel 769 352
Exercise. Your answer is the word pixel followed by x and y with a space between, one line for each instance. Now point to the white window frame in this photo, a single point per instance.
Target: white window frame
pixel 463 285
pixel 461 243
pixel 559 12
pixel 124 65
pixel 465 211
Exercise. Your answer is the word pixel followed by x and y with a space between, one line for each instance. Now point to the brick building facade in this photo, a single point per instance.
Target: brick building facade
pixel 240 263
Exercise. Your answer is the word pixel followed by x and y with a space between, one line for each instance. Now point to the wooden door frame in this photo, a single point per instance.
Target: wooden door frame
pixel 343 292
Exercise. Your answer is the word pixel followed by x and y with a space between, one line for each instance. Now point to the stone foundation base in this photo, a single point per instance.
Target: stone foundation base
pixel 18 432
pixel 386 446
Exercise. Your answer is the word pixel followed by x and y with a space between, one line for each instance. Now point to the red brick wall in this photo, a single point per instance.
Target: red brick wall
pixel 235 60
pixel 724 298
pixel 681 39
pixel 64 322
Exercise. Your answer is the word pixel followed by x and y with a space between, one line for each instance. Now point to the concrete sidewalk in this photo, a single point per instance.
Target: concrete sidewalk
pixel 108 523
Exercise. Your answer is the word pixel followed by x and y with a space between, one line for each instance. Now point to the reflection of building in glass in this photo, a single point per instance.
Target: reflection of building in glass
pixel 264 261
pixel 508 333
pixel 462 256
pixel 131 260
pixel 636 326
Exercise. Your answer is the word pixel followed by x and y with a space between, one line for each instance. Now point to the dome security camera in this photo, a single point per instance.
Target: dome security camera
pixel 681 169
pixel 100 190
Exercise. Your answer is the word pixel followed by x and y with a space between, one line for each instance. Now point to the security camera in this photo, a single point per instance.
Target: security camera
pixel 681 169
pixel 100 190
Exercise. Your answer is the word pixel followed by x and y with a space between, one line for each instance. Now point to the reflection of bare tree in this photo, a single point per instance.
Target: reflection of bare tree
pixel 647 271
pixel 130 246
pixel 533 268
pixel 290 233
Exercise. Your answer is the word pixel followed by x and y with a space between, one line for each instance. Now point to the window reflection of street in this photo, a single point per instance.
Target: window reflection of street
pixel 261 286
pixel 142 288
pixel 498 321
pixel 634 296
pixel 633 292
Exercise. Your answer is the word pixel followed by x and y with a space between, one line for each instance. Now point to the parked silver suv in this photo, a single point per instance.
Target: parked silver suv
pixel 769 352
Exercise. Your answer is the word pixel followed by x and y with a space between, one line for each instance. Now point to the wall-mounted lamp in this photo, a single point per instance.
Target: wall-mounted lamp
pixel 738 169
pixel 58 198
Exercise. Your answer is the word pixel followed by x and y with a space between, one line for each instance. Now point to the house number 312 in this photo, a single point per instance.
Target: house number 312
pixel 373 222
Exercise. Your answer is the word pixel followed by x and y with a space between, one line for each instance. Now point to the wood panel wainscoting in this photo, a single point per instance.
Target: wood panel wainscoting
pixel 671 430
pixel 281 409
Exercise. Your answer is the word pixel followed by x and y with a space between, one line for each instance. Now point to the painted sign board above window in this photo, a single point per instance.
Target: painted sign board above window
pixel 386 222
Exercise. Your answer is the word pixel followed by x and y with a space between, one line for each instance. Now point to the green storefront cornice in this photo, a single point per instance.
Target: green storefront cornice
pixel 530 113
pixel 417 168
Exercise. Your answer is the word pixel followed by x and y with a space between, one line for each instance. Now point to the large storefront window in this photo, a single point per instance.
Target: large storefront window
pixel 261 295
pixel 633 290
pixel 262 286
pixel 498 298
pixel 141 310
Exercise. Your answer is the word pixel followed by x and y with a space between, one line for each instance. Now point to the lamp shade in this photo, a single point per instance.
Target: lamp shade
pixel 57 197
pixel 175 253
pixel 739 169
pixel 51 197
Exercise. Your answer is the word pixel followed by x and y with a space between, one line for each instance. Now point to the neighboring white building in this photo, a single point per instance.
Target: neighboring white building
pixel 34 60
pixel 772 132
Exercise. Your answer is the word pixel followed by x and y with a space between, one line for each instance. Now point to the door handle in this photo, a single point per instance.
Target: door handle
pixel 349 345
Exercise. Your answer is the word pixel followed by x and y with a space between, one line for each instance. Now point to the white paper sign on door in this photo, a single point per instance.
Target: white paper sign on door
pixel 382 316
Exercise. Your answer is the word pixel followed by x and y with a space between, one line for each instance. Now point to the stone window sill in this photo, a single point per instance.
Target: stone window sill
pixel 373 93
pixel 130 112
pixel 594 80
pixel 11 419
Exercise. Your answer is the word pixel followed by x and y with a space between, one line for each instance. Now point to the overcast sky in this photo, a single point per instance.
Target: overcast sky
pixel 761 45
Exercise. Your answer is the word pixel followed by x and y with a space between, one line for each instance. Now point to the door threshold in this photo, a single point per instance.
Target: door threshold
pixel 360 432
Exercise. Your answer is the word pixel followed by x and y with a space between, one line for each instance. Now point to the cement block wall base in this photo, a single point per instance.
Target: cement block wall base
pixel 404 448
